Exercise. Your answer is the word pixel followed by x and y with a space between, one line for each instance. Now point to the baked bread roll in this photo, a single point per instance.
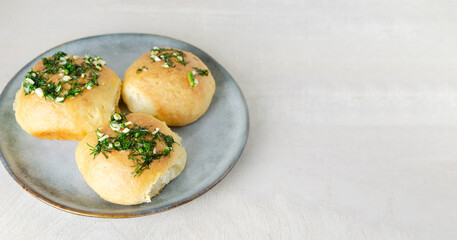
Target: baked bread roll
pixel 65 97
pixel 173 85
pixel 125 166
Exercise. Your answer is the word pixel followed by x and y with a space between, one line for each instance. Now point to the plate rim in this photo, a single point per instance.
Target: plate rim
pixel 117 215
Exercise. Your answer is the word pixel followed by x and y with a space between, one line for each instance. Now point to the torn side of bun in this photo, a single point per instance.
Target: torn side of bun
pixel 117 177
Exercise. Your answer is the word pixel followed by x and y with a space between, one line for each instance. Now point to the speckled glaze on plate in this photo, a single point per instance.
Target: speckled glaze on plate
pixel 47 168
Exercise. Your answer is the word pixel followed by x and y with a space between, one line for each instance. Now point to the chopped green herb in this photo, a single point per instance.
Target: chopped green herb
pixel 139 70
pixel 191 78
pixel 201 72
pixel 167 55
pixel 60 63
pixel 138 140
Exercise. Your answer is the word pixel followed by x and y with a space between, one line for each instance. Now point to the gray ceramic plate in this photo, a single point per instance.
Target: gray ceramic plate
pixel 47 168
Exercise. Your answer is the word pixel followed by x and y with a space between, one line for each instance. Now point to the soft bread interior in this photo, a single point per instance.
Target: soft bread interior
pixel 98 114
pixel 172 172
pixel 136 102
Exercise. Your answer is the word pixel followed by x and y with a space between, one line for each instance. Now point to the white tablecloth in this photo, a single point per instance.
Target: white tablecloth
pixel 353 108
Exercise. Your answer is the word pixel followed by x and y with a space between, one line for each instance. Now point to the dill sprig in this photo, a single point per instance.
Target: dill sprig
pixel 140 69
pixel 191 76
pixel 201 72
pixel 167 55
pixel 137 139
pixel 69 71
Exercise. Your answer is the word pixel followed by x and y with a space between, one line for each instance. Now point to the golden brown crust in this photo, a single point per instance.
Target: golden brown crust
pixel 165 92
pixel 112 177
pixel 72 119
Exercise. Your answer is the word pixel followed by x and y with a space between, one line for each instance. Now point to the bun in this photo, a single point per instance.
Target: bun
pixel 112 177
pixel 73 118
pixel 166 93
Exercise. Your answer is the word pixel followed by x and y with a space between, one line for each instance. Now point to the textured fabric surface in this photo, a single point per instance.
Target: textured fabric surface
pixel 353 109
